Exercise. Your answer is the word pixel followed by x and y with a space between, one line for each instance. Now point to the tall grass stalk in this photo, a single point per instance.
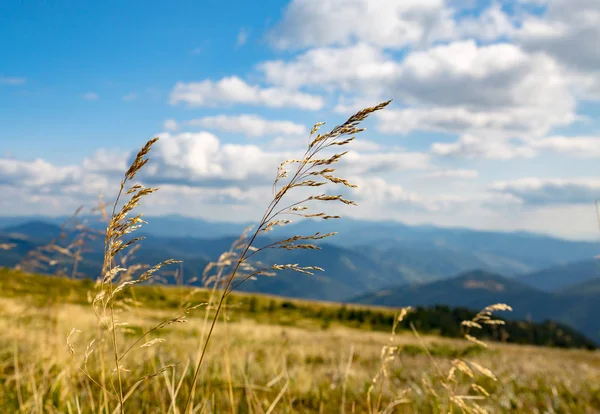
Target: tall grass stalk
pixel 305 175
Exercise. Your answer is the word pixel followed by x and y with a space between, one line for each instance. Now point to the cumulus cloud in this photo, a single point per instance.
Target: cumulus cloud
pixel 41 177
pixel 377 191
pixel 107 161
pixel 36 173
pixel 199 159
pixel 390 160
pixel 475 147
pixel 491 24
pixel 251 125
pixel 576 146
pixel 393 24
pixel 459 173
pixel 459 87
pixel 470 146
pixel 506 122
pixel 389 25
pixel 234 90
pixel 357 67
pixel 493 76
pixel 542 191
pixel 570 32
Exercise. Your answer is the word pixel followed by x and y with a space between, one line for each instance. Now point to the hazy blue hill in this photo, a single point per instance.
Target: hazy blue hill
pixel 40 231
pixel 172 225
pixel 397 253
pixel 346 272
pixel 561 276
pixel 505 252
pixel 532 250
pixel 426 263
pixel 586 288
pixel 477 289
pixel 474 289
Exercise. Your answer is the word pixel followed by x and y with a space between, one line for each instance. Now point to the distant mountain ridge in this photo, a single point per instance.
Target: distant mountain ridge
pixel 556 278
pixel 478 289
pixel 506 252
pixel 395 253
pixel 397 272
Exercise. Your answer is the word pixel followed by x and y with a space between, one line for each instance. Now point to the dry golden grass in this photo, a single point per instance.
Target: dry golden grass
pixel 250 364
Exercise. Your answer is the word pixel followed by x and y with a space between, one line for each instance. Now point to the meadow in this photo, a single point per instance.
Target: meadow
pixel 120 342
pixel 265 357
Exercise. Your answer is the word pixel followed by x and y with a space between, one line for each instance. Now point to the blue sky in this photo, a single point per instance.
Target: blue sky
pixel 65 50
pixel 495 122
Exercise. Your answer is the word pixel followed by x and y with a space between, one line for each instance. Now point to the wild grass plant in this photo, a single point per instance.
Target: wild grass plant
pixel 312 170
pixel 131 355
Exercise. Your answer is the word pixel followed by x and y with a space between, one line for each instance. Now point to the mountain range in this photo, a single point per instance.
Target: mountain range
pixel 575 307
pixel 379 263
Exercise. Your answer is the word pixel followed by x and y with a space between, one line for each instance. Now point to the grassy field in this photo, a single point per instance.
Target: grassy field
pixel 263 361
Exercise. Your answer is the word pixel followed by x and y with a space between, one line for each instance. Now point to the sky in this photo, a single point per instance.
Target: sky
pixel 494 124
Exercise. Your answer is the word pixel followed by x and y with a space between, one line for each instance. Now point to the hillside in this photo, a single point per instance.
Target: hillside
pixel 473 289
pixel 587 288
pixel 561 276
pixel 353 272
pixel 476 289
pixel 439 320
pixel 504 252
pixel 347 272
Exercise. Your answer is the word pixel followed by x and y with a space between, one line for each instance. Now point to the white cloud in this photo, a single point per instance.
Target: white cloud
pixel 389 23
pixel 199 159
pixel 475 147
pixel 570 32
pixel 541 191
pixel 484 77
pixel 235 90
pixel 505 122
pixel 576 146
pixel 390 160
pixel 458 87
pixel 377 191
pixel 36 173
pixel 39 177
pixel 493 23
pixel 106 161
pixel 251 125
pixel 459 173
pixel 487 94
pixel 359 66
pixel 90 96
pixel 470 146
pixel 11 80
